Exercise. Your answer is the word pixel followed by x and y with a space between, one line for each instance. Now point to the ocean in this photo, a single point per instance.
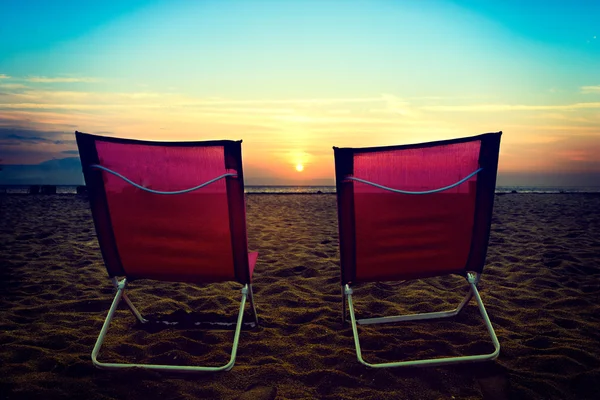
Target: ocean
pixel 71 189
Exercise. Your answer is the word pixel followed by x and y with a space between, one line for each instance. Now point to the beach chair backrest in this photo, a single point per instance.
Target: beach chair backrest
pixel 415 211
pixel 151 218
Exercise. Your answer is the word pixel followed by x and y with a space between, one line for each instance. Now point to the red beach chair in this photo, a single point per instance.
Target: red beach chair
pixel 414 212
pixel 168 211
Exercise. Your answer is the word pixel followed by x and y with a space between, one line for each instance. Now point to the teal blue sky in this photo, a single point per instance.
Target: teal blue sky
pixel 293 78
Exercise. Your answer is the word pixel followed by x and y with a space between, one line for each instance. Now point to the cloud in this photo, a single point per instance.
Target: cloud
pixel 590 89
pixel 4 76
pixel 56 106
pixel 28 145
pixel 552 152
pixel 396 105
pixel 43 79
pixel 14 136
pixel 563 117
pixel 12 86
pixel 512 107
pixel 40 122
pixel 20 138
pixel 81 100
pixel 291 102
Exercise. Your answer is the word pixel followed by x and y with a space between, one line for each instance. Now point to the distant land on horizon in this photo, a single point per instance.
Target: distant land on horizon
pixel 67 171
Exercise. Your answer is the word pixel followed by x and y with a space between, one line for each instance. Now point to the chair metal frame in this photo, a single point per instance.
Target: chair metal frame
pixel 121 285
pixel 472 279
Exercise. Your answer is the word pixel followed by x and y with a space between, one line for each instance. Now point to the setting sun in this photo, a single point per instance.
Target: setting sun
pixel 299 167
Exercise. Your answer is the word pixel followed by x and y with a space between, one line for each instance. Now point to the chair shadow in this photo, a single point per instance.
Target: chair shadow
pixel 185 320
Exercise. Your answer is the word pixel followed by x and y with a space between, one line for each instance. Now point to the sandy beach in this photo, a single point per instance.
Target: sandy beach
pixel 541 288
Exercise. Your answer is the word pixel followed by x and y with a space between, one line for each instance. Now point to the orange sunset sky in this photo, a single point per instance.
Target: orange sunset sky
pixel 294 78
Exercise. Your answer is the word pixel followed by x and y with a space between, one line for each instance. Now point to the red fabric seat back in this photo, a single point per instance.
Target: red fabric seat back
pixel 189 237
pixel 391 236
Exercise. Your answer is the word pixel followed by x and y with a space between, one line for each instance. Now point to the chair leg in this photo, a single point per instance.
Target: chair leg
pixel 343 305
pixel 134 310
pixel 472 280
pixel 130 305
pixel 252 305
pixel 173 368
pixel 415 317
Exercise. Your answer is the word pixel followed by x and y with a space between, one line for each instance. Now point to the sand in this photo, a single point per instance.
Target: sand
pixel 541 288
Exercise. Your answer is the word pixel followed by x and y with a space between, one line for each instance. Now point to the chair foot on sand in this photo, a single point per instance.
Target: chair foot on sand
pixel 473 292
pixel 121 285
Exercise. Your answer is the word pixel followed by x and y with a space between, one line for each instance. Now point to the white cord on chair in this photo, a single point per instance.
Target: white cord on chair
pixel 409 192
pixel 159 191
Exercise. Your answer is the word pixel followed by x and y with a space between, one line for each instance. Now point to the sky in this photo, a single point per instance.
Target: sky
pixel 294 78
